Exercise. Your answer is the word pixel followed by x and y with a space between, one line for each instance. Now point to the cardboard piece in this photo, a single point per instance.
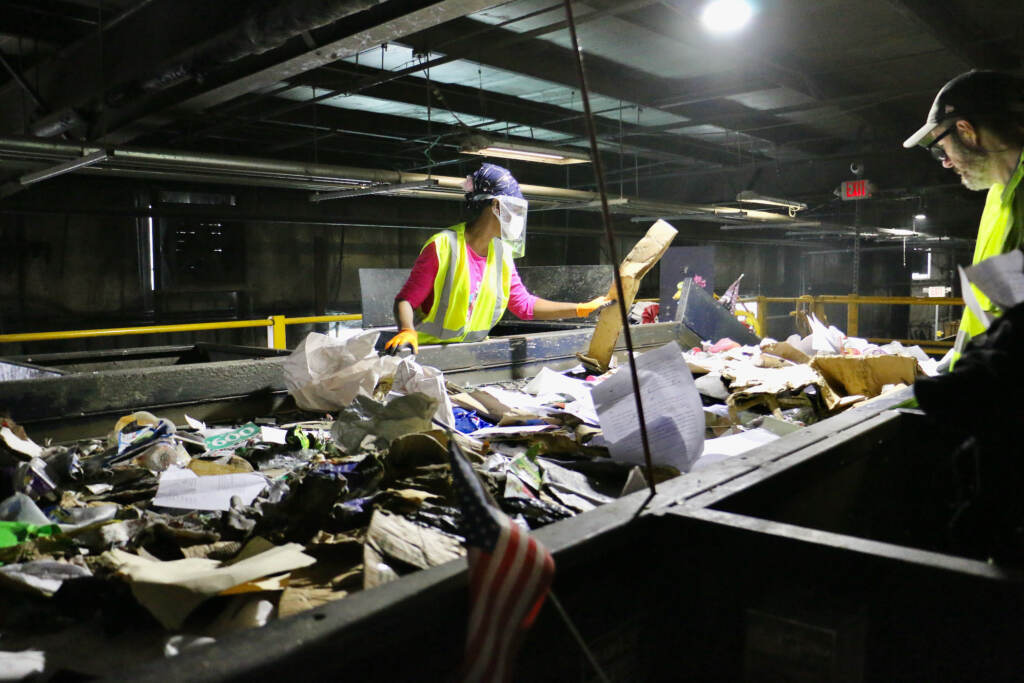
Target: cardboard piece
pixel 637 263
pixel 847 376
pixel 395 537
pixel 785 350
pixel 172 590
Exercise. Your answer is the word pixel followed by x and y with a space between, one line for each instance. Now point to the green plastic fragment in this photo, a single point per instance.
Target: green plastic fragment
pixel 16 533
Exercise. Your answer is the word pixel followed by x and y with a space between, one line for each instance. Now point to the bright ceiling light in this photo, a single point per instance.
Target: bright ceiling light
pixel 726 16
pixel 920 217
pixel 505 149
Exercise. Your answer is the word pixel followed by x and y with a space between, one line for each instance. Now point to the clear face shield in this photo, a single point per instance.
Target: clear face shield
pixel 511 213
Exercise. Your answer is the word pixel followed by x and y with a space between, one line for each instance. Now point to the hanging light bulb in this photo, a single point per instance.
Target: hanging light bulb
pixel 726 16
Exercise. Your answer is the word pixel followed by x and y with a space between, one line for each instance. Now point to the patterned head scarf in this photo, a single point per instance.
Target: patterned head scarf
pixel 488 182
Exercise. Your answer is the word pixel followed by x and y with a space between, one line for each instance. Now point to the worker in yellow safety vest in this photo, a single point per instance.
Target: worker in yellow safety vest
pixel 465 277
pixel 976 127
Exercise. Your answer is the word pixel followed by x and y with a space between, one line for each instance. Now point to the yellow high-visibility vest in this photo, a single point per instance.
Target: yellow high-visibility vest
pixel 1001 230
pixel 446 321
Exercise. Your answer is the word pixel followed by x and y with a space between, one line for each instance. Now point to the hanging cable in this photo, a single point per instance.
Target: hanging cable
pixel 610 234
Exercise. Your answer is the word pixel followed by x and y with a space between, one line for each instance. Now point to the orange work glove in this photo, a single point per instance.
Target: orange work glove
pixel 406 337
pixel 596 304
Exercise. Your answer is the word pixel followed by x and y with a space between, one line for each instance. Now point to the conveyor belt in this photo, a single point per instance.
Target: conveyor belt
pixel 86 404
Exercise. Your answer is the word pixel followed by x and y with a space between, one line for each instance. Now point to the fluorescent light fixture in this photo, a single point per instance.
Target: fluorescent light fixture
pixel 505 149
pixel 751 197
pixel 383 188
pixel 726 16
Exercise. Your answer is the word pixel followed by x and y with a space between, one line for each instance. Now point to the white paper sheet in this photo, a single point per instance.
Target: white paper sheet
pixel 971 301
pixel 182 488
pixel 672 407
pixel 735 444
pixel 824 339
pixel 583 409
pixel 195 424
pixel 550 387
pixel 274 435
pixel 16 443
pixel 725 447
pixel 1000 278
pixel 15 666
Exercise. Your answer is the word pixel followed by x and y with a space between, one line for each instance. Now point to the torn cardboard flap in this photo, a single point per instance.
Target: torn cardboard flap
pixel 787 351
pixel 393 537
pixel 171 590
pixel 748 380
pixel 641 258
pixel 847 376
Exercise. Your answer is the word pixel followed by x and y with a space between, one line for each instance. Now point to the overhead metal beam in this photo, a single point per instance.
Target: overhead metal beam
pixel 535 114
pixel 101 60
pixel 958 34
pixel 52 22
pixel 547 61
pixel 392 21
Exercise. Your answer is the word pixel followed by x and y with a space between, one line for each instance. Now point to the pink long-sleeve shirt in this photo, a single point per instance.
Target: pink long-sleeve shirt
pixel 418 289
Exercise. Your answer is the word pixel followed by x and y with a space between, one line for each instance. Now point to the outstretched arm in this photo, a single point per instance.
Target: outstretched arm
pixel 553 310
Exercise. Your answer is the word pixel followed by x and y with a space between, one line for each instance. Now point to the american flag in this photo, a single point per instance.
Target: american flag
pixel 510 574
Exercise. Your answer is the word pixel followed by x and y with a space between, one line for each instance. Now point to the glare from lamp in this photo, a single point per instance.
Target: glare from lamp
pixel 522 152
pixel 726 16
pixel 920 217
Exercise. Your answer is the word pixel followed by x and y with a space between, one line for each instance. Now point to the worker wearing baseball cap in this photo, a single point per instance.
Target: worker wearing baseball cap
pixel 465 278
pixel 976 127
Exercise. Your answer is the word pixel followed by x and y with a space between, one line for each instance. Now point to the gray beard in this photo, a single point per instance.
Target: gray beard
pixel 976 172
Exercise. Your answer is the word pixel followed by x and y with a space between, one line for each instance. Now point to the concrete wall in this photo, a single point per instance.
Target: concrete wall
pixel 71 260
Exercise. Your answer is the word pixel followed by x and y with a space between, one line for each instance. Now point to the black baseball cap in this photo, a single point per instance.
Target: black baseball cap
pixel 970 94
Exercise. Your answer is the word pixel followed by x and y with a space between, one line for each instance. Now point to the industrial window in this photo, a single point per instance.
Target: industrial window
pixel 198 254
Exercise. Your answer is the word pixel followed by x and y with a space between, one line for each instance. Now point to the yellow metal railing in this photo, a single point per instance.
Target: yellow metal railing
pixel 816 304
pixel 275 324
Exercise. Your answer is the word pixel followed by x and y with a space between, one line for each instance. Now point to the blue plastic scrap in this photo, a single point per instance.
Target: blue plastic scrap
pixel 467 421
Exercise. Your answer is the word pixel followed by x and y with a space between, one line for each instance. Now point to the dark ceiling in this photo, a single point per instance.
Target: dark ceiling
pixel 683 118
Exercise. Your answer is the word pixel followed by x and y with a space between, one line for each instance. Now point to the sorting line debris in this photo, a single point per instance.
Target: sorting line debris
pixel 194 530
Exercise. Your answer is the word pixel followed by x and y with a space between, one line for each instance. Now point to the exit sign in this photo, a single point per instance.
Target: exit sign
pixel 855 189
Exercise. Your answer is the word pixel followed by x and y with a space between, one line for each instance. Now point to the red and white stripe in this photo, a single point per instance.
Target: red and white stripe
pixel 507 589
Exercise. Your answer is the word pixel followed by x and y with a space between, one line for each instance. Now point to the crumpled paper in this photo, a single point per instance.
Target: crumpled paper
pixel 411 377
pixel 327 373
pixel 387 421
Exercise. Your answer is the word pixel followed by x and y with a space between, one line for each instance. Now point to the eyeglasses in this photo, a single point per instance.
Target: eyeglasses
pixel 938 152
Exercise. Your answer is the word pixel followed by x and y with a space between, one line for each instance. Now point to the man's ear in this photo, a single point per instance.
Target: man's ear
pixel 967 132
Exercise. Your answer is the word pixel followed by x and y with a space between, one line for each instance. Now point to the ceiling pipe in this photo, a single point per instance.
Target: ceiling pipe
pixel 228 169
